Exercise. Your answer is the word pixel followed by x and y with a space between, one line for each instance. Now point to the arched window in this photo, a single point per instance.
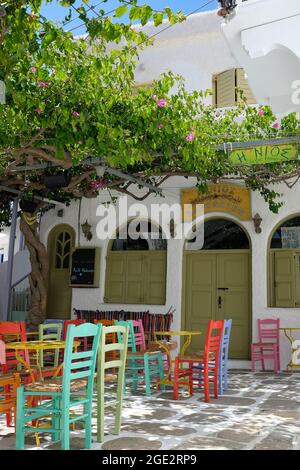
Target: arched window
pixel 219 234
pixel 284 265
pixel 140 236
pixel 136 265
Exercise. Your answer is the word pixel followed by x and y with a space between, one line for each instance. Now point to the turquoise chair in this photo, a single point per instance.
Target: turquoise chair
pixel 142 365
pixel 73 389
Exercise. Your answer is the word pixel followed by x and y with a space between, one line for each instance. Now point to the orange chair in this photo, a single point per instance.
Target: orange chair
pixel 17 332
pixel 76 323
pixel 9 383
pixel 110 338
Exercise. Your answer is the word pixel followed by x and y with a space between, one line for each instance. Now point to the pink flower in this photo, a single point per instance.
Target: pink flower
pixel 161 103
pixel 33 69
pixel 154 97
pixel 261 112
pixel 38 110
pixel 160 126
pixel 75 114
pixel 190 137
pixel 100 184
pixel 43 84
pixel 276 125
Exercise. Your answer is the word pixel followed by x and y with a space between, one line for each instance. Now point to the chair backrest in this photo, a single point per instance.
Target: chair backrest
pixel 268 330
pixel 225 339
pixel 119 347
pixel 139 335
pixel 57 321
pixel 104 322
pixel 50 331
pixel 17 329
pixel 131 336
pixel 80 365
pixel 71 322
pixel 213 339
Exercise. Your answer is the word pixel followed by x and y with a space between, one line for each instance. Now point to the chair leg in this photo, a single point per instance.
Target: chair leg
pixel 206 383
pixel 161 369
pixel 20 437
pixel 252 359
pixel 56 419
pixel 65 428
pixel 147 375
pixel 88 423
pixel 176 373
pixel 262 359
pixel 220 376
pixel 118 415
pixel 100 406
pixel 216 385
pixel 225 369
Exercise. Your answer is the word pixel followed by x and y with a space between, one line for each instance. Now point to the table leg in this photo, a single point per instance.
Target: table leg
pixel 26 365
pixel 185 345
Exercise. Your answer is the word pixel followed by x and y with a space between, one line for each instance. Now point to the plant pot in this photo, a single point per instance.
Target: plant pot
pixel 60 180
pixel 27 205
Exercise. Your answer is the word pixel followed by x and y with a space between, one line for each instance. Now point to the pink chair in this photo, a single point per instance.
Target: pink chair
pixel 268 345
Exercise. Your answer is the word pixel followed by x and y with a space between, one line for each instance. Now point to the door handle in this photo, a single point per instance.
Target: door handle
pixel 223 288
pixel 219 302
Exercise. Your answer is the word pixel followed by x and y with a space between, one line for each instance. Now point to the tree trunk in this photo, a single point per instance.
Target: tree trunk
pixel 38 278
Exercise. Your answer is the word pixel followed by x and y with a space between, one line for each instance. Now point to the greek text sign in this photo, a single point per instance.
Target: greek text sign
pixel 230 198
pixel 264 154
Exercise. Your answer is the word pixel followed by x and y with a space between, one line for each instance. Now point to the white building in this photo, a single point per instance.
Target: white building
pixel 248 263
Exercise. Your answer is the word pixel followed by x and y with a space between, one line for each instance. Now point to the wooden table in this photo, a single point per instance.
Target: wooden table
pixel 36 346
pixel 168 346
pixel 288 332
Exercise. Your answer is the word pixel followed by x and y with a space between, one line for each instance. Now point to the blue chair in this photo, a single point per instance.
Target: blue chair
pixel 223 359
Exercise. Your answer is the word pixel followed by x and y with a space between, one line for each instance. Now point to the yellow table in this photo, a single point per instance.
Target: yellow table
pixel 167 347
pixel 36 346
pixel 288 332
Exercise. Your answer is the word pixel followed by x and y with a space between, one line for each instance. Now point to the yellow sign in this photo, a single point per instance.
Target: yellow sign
pixel 230 198
pixel 264 154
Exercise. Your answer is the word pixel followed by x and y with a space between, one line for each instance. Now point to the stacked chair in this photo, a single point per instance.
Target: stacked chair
pixel 197 371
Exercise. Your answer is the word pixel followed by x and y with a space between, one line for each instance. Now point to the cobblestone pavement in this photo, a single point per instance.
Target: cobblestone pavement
pixel 259 411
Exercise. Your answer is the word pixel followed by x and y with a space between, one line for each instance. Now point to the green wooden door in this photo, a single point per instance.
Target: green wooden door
pixel 217 286
pixel 60 244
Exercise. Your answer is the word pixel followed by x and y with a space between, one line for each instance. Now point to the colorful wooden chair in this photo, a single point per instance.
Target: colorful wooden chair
pixel 9 384
pixel 223 361
pixel 268 346
pixel 74 388
pixel 56 321
pixel 111 369
pixel 75 322
pixel 204 365
pixel 142 364
pixel 110 338
pixel 47 332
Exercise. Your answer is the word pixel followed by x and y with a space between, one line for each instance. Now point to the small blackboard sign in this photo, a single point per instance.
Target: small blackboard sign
pixel 85 267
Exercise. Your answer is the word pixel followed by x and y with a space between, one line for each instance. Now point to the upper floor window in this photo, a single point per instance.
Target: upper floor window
pixel 226 86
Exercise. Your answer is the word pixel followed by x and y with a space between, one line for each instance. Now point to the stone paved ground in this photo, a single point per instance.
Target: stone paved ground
pixel 259 411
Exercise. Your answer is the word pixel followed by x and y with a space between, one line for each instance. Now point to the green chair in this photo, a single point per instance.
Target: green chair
pixel 74 389
pixel 111 368
pixel 142 364
pixel 48 332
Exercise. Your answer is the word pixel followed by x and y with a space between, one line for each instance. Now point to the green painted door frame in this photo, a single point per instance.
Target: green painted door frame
pixel 217 285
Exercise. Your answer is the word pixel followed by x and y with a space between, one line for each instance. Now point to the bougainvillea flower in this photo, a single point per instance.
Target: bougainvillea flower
pixel 261 112
pixel 161 103
pixel 276 125
pixel 43 84
pixel 33 69
pixel 100 184
pixel 38 110
pixel 160 126
pixel 190 137
pixel 75 114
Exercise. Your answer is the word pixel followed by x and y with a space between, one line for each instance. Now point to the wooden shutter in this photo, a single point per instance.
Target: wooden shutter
pixel 115 277
pixel 242 83
pixel 284 268
pixel 135 278
pixel 155 278
pixel 225 86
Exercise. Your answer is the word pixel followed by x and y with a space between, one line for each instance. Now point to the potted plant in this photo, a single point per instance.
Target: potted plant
pixel 28 205
pixel 57 180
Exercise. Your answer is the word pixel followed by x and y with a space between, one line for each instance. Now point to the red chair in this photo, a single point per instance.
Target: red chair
pixel 205 365
pixel 268 346
pixel 76 323
pixel 18 332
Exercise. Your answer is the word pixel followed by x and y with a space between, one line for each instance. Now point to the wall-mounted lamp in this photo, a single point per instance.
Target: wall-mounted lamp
pixel 86 229
pixel 257 220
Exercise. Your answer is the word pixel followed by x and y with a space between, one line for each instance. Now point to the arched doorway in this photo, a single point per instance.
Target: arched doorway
pixel 61 241
pixel 217 283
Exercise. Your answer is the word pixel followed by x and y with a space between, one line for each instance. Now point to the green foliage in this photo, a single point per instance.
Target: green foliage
pixel 77 98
